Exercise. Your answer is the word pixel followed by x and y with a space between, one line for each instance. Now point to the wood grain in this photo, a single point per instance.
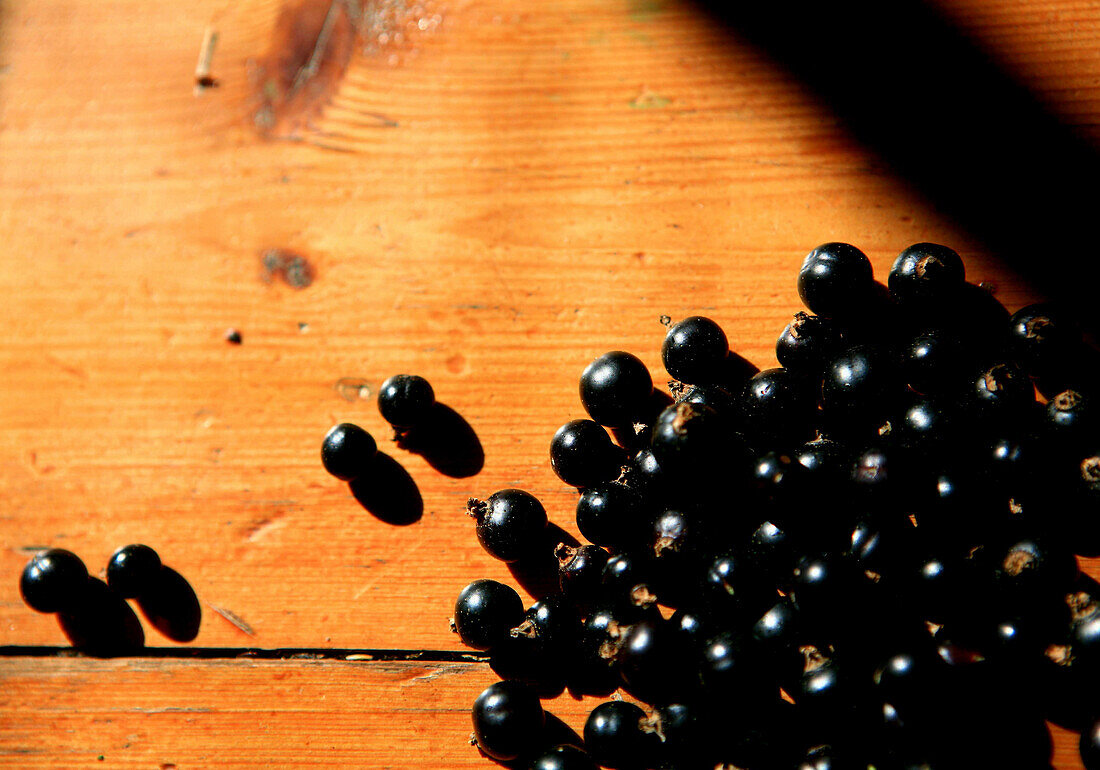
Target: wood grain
pixel 490 201
pixel 285 714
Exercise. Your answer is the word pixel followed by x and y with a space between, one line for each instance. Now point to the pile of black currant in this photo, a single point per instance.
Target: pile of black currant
pixel 862 559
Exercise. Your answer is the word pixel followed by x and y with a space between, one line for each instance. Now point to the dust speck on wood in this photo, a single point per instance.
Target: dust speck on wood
pixel 293 268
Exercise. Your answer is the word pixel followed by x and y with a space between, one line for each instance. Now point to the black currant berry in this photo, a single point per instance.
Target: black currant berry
pixel 932 362
pixel 1033 570
pixel 859 384
pixel 615 389
pixel 925 425
pixel 717 398
pixel 975 317
pixel 835 280
pixel 772 551
pixel 550 629
pixel 53 581
pixel 1072 419
pixel 511 523
pixel 405 400
pixel 828 465
pixel 347 451
pixel 564 757
pixel 508 719
pixel 582 455
pixel 645 476
pixel 730 663
pixel 806 343
pixel 781 484
pixel 485 612
pixel 623 573
pixel 827 590
pixel 654 661
pixel 828 692
pixel 778 407
pixel 132 570
pixel 694 444
pixel 612 515
pixel 734 588
pixel 926 273
pixel 1042 336
pixel 614 736
pixel 597 648
pixel 579 571
pixel 694 351
pixel 678 539
pixel 1001 392
pixel 777 631
pixel 682 731
pixel 886 476
pixel 694 627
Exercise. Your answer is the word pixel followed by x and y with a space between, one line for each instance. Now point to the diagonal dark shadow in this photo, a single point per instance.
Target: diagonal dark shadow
pixel 961 131
pixel 388 492
pixel 171 605
pixel 448 442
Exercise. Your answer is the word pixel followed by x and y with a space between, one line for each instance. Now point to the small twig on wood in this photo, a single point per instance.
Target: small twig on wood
pixel 203 78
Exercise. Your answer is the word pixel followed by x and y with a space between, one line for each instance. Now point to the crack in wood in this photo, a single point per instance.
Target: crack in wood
pixel 259 653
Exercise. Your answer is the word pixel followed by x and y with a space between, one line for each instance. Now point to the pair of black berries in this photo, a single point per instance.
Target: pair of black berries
pixel 405 402
pixel 868 551
pixel 95 615
pixel 54 580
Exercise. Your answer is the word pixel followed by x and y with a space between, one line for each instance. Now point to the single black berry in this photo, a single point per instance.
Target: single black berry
pixel 582 455
pixel 615 389
pixel 614 736
pixel 549 629
pixel 731 663
pixel 1072 418
pixel 623 573
pixel 347 451
pixel 860 384
pixel 1000 392
pixel 579 571
pixel 694 445
pixel 612 514
pixel 807 343
pixel 485 612
pixel 932 362
pixel 835 280
pixel 53 580
pixel 132 570
pixel 926 272
pixel 655 662
pixel 511 523
pixel 405 400
pixel 508 719
pixel 1042 337
pixel 778 407
pixel 694 351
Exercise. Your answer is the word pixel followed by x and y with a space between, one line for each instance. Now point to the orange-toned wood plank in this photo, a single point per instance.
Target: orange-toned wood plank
pixel 490 201
pixel 67 713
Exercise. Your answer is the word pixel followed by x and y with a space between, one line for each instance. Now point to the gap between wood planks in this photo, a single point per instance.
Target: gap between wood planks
pixel 259 653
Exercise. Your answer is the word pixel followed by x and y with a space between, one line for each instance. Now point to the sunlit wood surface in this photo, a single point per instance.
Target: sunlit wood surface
pixel 483 192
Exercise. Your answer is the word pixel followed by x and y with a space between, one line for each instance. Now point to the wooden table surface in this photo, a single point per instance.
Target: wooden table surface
pixel 484 192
